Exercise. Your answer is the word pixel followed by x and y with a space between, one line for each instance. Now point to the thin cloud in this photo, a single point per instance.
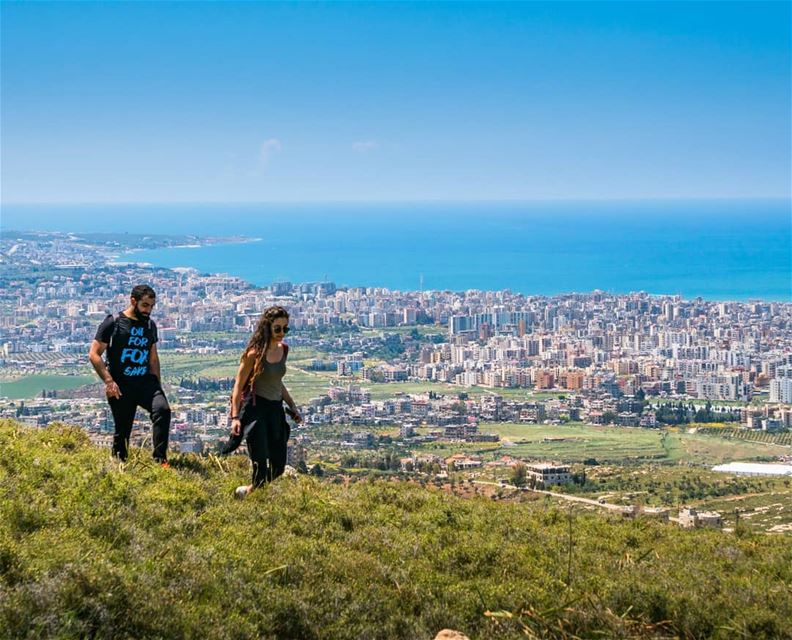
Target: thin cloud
pixel 267 150
pixel 365 146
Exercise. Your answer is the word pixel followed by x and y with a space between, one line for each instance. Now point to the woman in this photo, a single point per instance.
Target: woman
pixel 259 381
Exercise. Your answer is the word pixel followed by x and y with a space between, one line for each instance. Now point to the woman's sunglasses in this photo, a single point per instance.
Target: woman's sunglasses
pixel 278 329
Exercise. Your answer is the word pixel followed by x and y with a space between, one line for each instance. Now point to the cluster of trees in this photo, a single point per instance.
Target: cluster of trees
pixel 423 466
pixel 681 413
pixel 388 461
pixel 375 375
pixel 391 346
pixel 207 384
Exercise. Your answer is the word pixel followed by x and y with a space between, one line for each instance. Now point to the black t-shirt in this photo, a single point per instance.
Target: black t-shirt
pixel 129 347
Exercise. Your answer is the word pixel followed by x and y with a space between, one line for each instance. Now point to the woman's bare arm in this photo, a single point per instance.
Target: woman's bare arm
pixel 243 373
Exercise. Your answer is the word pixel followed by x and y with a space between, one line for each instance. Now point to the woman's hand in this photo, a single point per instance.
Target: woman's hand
pixel 236 427
pixel 292 412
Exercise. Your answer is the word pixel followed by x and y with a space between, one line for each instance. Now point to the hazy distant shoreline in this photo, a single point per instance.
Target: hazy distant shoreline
pixel 117 260
pixel 715 249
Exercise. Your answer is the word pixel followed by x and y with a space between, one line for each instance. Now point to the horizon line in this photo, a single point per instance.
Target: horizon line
pixel 785 198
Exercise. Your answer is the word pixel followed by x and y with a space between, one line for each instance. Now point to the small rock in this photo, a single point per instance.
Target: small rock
pixel 450 634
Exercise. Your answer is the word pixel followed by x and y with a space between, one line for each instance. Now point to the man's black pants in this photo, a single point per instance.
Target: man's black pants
pixel 146 393
pixel 267 440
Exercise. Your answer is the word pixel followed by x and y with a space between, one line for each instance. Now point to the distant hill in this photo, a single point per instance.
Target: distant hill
pixel 93 549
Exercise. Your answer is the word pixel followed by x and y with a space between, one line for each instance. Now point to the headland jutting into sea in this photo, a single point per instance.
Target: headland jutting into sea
pixel 718 250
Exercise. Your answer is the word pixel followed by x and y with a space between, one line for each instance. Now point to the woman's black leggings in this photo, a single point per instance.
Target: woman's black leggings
pixel 267 440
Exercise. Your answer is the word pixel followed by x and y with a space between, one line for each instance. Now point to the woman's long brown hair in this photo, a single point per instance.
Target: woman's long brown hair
pixel 260 339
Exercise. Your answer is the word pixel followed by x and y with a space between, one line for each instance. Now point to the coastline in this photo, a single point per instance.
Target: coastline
pixel 689 249
pixel 155 260
pixel 115 259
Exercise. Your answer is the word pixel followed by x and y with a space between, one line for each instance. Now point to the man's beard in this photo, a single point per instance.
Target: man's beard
pixel 140 315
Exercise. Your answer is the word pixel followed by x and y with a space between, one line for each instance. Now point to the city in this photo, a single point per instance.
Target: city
pixel 406 320
pixel 430 384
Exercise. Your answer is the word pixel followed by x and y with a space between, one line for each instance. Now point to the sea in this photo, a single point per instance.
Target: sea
pixel 715 249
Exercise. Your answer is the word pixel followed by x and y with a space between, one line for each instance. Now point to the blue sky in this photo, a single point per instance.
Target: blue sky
pixel 215 102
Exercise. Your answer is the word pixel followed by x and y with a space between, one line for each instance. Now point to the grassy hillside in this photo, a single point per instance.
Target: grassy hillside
pixel 89 548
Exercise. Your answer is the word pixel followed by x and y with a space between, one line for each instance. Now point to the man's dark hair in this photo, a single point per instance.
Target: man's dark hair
pixel 143 291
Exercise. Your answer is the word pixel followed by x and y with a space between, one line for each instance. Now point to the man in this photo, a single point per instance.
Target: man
pixel 132 372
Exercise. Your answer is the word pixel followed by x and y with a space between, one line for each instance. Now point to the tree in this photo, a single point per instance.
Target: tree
pixel 459 407
pixel 349 460
pixel 518 475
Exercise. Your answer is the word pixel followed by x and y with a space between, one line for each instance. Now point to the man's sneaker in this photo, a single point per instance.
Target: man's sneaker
pixel 165 465
pixel 290 471
pixel 241 492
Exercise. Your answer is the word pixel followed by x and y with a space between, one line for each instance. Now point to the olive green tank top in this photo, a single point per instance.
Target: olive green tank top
pixel 269 383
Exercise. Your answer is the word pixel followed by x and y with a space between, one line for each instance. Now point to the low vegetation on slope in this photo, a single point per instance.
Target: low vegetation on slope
pixel 93 549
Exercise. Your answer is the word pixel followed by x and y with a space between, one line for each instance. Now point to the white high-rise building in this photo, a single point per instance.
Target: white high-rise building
pixel 781 390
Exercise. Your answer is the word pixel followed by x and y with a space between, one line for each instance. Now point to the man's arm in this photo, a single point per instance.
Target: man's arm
pixel 154 363
pixel 95 357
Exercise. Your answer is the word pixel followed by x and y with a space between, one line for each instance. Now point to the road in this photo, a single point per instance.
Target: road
pixel 605 505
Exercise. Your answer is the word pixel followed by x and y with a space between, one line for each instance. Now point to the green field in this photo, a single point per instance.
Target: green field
pixel 304 385
pixel 731 433
pixel 575 442
pixel 770 511
pixel 215 365
pixel 578 442
pixel 223 364
pixel 304 355
pixel 383 391
pixel 702 449
pixel 318 382
pixel 32 386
